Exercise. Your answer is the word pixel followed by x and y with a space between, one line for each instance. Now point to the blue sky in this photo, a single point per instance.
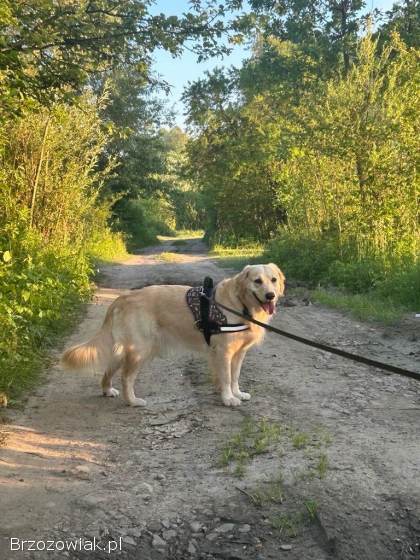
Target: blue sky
pixel 179 71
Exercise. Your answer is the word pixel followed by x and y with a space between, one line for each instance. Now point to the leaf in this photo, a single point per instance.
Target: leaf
pixel 25 295
pixel 7 256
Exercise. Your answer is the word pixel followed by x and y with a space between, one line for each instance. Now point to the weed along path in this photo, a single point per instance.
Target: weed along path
pixel 322 463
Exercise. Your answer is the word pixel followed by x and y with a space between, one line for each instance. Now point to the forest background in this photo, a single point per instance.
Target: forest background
pixel 306 154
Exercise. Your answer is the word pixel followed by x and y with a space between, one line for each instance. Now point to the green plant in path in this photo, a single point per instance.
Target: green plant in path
pixel 254 438
pixel 300 440
pixel 322 465
pixel 312 508
pixel 257 437
pixel 290 524
pixel 271 492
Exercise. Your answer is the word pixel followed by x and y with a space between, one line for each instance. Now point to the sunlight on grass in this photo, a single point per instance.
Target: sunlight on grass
pixel 238 257
pixel 182 234
pixel 169 257
pixel 189 233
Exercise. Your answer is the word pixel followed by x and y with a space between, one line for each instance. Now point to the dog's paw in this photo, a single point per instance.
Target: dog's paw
pixel 243 396
pixel 137 402
pixel 231 401
pixel 111 392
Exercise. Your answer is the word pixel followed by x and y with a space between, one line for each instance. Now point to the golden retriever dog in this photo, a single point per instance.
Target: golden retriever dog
pixel 156 319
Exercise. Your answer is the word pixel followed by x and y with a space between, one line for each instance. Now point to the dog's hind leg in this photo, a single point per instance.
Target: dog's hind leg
pixel 237 360
pixel 132 363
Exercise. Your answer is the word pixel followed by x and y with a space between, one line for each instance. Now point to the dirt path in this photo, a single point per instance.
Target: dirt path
pixel 332 473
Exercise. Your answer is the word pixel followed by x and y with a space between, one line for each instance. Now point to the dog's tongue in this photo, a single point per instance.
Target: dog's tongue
pixel 268 307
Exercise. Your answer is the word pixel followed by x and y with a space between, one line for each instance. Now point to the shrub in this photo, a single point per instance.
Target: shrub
pixel 144 219
pixel 302 258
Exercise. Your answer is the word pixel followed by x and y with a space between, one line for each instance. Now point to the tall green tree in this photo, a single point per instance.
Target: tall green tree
pixel 49 49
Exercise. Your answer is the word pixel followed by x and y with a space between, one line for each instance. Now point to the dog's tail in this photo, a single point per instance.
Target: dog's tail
pixel 99 350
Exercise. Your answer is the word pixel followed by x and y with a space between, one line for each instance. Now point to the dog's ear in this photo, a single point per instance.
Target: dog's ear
pixel 240 281
pixel 278 271
pixel 245 271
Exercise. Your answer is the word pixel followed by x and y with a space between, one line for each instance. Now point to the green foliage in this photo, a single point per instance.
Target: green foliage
pixel 50 49
pixel 313 149
pixel 372 288
pixel 365 307
pixel 253 439
pixel 303 258
pixel 238 257
pixel 52 224
pixel 271 492
pixel 40 293
pixel 144 219
pixel 321 467
pixel 288 524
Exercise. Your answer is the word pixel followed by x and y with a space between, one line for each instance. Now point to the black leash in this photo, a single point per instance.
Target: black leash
pixel 325 347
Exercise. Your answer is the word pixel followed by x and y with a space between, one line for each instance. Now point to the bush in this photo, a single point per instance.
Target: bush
pixel 402 285
pixel 302 258
pixel 356 277
pixel 391 282
pixel 144 219
pixel 40 293
pixel 53 223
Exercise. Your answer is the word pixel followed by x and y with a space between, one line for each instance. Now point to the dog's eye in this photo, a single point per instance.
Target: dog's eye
pixel 258 281
pixel 274 280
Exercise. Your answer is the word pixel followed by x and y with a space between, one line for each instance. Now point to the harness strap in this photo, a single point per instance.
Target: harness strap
pixel 234 328
pixel 209 318
pixel 205 298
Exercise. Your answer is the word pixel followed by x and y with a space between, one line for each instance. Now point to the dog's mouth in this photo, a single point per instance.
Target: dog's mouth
pixel 268 306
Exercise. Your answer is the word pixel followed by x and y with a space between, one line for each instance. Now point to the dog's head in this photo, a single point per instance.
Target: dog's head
pixel 260 286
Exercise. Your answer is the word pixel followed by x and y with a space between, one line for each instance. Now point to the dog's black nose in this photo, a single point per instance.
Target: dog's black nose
pixel 270 296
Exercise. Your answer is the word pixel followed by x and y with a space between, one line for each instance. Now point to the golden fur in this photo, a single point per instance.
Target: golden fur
pixel 152 321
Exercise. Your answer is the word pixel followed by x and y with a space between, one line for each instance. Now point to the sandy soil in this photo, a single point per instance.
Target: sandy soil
pixel 77 465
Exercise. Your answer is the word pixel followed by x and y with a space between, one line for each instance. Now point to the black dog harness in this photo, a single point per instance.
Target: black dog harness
pixel 209 319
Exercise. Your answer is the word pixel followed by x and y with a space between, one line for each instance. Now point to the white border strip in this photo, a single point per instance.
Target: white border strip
pixel 234 329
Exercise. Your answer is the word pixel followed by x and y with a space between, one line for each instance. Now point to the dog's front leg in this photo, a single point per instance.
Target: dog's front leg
pixel 237 360
pixel 220 363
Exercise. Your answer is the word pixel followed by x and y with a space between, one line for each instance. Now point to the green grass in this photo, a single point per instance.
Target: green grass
pixel 370 289
pixel 258 436
pixel 42 294
pixel 107 247
pixel 322 465
pixel 312 508
pixel 169 257
pixel 254 438
pixel 271 492
pixel 365 307
pixel 238 257
pixel 190 233
pixel 291 524
pixel 288 524
pixel 300 440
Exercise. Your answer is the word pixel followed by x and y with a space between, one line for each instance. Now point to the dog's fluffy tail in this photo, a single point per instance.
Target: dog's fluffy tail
pixel 99 350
